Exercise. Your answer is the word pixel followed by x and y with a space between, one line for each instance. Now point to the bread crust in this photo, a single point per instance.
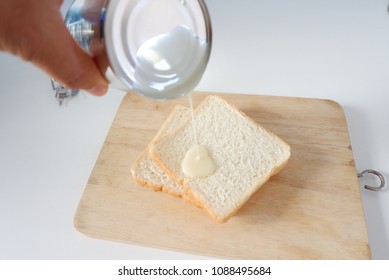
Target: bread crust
pixel 145 153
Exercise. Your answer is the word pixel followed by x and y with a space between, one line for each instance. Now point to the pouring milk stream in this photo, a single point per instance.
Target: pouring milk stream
pixel 170 63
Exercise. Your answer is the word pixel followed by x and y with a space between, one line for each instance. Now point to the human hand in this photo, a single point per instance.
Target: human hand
pixel 35 31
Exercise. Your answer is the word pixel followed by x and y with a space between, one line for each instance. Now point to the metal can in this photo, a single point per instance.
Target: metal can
pixel 156 48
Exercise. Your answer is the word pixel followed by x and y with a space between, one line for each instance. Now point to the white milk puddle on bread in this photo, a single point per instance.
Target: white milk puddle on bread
pixel 197 163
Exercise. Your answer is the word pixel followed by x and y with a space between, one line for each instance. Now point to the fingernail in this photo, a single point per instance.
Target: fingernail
pixel 98 90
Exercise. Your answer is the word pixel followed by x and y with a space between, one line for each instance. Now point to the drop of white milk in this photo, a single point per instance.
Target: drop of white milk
pixel 170 65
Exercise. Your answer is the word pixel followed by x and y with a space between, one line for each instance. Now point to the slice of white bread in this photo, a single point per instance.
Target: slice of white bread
pixel 245 153
pixel 149 174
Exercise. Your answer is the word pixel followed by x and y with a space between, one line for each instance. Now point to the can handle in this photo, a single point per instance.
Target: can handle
pixel 376 173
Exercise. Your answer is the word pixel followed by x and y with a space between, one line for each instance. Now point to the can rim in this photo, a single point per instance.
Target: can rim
pixel 115 51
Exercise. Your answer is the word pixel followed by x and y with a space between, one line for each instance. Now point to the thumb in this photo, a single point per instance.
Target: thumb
pixel 49 45
pixel 65 61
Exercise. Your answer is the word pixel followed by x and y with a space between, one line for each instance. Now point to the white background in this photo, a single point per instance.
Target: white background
pixel 333 49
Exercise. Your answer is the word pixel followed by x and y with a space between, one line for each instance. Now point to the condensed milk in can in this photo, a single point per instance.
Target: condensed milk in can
pixel 156 48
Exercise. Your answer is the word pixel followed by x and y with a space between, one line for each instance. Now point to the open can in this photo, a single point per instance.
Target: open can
pixel 156 48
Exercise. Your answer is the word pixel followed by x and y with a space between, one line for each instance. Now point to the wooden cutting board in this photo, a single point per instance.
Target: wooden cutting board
pixel 310 210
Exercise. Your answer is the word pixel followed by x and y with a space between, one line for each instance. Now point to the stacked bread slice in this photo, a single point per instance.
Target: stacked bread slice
pixel 245 153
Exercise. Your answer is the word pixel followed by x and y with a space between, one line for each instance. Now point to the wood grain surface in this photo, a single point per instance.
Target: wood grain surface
pixel 312 209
